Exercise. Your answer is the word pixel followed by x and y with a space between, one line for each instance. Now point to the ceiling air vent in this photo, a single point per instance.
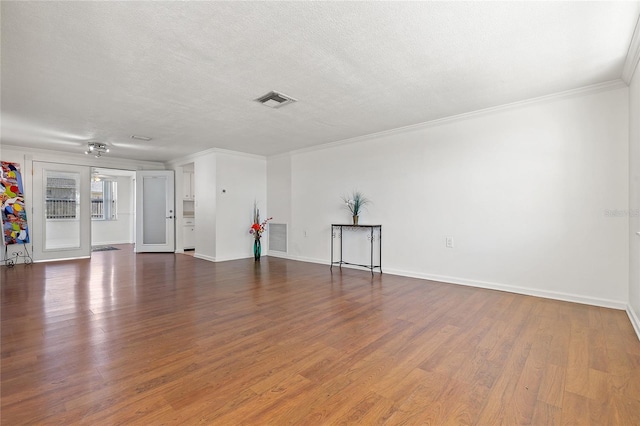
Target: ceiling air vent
pixel 275 100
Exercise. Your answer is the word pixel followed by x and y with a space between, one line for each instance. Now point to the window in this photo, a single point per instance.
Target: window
pixel 104 200
pixel 61 200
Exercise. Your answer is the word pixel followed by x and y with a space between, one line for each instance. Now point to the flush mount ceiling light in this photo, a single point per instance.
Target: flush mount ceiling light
pixel 141 138
pixel 96 148
pixel 275 99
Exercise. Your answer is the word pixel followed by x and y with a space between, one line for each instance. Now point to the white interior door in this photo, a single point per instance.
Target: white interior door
pixel 155 211
pixel 61 227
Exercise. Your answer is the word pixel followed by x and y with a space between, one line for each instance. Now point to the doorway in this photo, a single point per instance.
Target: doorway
pixel 155 211
pixel 72 210
pixel 62 216
pixel 188 209
pixel 112 207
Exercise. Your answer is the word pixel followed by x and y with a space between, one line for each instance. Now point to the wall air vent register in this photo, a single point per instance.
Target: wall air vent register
pixel 278 237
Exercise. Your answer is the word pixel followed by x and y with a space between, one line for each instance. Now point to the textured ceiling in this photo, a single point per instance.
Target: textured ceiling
pixel 186 73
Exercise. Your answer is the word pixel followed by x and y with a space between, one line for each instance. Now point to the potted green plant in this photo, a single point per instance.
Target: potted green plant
pixel 355 203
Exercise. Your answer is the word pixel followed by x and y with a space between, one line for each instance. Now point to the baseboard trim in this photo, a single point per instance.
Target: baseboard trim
pixel 635 322
pixel 230 258
pixel 527 291
pixel 110 243
pixel 279 254
pixel 204 257
pixel 61 259
pixel 307 259
pixel 221 259
pixel 546 294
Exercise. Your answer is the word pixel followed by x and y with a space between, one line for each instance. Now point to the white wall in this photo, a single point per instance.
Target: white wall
pixel 118 231
pixel 634 200
pixel 243 180
pixel 205 205
pixel 523 191
pixel 226 185
pixel 279 190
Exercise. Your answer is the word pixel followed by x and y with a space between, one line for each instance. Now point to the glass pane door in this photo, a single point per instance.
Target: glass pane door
pixel 61 211
pixel 155 211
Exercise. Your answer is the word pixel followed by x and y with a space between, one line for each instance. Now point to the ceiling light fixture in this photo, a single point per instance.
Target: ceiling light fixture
pixel 141 138
pixel 275 99
pixel 96 148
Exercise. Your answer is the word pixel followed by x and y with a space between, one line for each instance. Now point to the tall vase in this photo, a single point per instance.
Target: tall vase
pixel 257 249
pixel 355 219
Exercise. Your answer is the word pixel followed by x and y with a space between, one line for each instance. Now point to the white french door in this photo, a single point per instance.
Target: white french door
pixel 61 227
pixel 155 211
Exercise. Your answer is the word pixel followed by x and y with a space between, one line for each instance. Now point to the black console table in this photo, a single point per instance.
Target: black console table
pixel 337 232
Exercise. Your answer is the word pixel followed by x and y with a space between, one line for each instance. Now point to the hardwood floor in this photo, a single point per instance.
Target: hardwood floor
pixel 169 339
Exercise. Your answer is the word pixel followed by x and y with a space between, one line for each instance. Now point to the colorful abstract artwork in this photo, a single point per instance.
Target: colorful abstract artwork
pixel 14 216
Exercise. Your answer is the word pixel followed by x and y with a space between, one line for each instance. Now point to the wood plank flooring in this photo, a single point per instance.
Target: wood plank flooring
pixel 156 339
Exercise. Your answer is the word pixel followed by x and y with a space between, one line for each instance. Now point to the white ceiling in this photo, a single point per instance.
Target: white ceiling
pixel 186 73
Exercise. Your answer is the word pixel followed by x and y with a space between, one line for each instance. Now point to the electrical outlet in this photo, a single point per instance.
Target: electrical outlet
pixel 448 242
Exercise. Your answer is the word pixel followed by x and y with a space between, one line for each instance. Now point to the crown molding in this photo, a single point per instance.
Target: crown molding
pixel 633 55
pixel 581 91
pixel 109 162
pixel 287 154
pixel 192 157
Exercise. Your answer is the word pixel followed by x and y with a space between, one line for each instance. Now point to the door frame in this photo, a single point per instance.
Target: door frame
pixel 169 212
pixel 39 224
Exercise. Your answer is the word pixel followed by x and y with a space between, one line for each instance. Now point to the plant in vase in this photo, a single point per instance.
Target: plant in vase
pixel 355 203
pixel 257 229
